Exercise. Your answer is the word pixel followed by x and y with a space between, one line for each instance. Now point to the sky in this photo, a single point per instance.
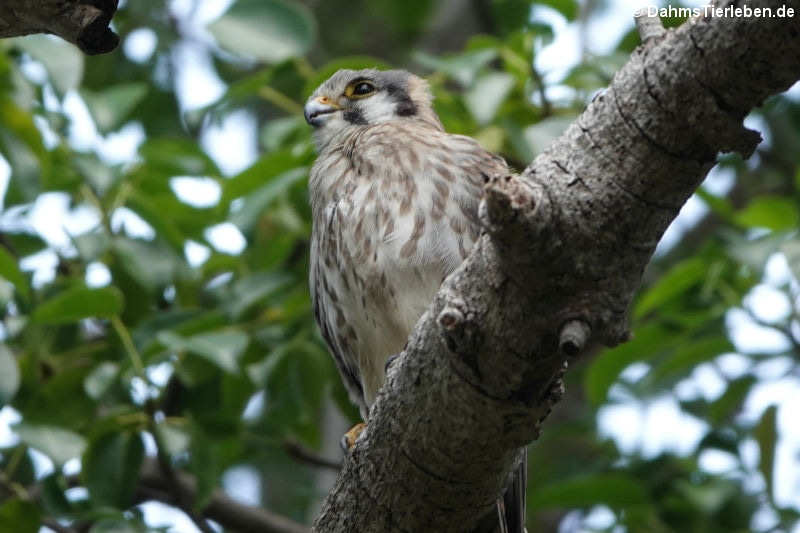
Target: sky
pixel 648 427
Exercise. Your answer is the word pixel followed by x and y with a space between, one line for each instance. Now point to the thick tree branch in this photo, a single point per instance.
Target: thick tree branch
pixel 565 247
pixel 81 22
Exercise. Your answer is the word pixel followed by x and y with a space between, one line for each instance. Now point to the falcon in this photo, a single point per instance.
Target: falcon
pixel 394 201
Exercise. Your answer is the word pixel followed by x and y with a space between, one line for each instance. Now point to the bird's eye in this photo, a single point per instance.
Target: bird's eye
pixel 360 89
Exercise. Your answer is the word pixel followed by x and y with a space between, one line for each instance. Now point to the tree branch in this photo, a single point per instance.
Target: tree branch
pixel 300 453
pixel 81 22
pixel 154 485
pixel 565 247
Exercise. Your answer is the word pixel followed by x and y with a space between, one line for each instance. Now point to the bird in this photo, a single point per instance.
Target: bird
pixel 394 202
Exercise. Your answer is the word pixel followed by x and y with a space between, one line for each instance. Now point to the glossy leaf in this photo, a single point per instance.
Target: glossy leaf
pixel 614 490
pixel 63 61
pixel 766 433
pixel 57 443
pixel 9 375
pixel 100 379
pixel 679 279
pixel 267 30
pixel 221 348
pixel 774 212
pixel 463 67
pixel 79 302
pixel 606 367
pixel 19 516
pixel 111 468
pixel 110 107
pixel 486 95
pixel 11 272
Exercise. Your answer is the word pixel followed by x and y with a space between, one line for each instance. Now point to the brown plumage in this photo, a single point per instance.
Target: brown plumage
pixel 394 201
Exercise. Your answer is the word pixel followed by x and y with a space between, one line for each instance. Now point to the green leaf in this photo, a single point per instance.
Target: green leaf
pixel 606 367
pixel 727 405
pixel 612 489
pixel 9 375
pixel 111 468
pixel 267 30
pixel 110 107
pixel 53 495
pixel 21 144
pixel 542 134
pixel 568 8
pixel 222 348
pixel 11 272
pixel 57 443
pixel 63 61
pixel 77 303
pixel 168 156
pixel 679 279
pixel 483 99
pixel 266 169
pixel 463 68
pixel 102 377
pixel 278 131
pixel 251 290
pixel 766 433
pixel 173 437
pixel 689 355
pixel 150 263
pixel 256 202
pixel 19 516
pixel 774 212
pixel 709 497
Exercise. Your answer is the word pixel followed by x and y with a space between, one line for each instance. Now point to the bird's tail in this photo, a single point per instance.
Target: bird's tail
pixel 511 509
pixel 510 514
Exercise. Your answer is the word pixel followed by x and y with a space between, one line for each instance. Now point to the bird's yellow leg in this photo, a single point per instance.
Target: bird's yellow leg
pixel 349 438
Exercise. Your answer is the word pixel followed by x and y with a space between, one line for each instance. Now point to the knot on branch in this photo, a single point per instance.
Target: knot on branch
pixel 94 36
pixel 573 337
pixel 459 332
pixel 81 22
pixel 507 199
pixel 649 27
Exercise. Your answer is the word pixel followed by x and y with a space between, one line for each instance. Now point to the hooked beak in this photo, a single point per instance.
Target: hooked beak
pixel 316 108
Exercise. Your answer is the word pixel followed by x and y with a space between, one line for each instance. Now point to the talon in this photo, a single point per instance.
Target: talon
pixel 390 361
pixel 349 438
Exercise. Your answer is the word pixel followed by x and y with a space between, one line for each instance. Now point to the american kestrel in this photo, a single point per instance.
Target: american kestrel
pixel 394 200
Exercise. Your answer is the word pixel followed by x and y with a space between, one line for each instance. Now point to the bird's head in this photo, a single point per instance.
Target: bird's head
pixel 366 97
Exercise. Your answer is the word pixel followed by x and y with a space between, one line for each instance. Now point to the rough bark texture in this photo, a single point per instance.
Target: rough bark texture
pixel 564 251
pixel 81 22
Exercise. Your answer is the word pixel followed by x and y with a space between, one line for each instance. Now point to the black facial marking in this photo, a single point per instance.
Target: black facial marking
pixel 354 116
pixel 405 107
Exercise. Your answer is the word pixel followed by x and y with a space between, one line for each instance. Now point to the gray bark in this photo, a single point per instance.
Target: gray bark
pixel 81 22
pixel 565 247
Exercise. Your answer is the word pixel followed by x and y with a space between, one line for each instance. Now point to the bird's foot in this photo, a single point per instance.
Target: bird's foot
pixel 390 361
pixel 349 438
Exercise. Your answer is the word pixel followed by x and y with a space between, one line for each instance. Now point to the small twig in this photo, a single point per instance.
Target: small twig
pixel 130 347
pixel 547 108
pixel 280 100
pixel 220 507
pixel 301 453
pixel 183 499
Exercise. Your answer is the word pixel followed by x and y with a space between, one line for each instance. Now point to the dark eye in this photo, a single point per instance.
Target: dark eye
pixel 362 88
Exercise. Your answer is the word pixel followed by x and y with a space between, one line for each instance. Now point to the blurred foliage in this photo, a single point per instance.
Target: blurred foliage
pixel 165 338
